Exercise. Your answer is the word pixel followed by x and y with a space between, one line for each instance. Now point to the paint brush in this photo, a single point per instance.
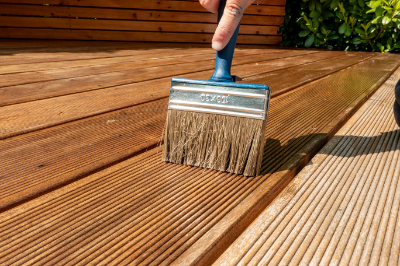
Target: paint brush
pixel 219 123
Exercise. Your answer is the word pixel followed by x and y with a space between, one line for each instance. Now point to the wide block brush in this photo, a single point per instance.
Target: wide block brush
pixel 217 124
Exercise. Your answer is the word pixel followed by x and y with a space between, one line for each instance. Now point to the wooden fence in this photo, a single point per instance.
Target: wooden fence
pixel 133 20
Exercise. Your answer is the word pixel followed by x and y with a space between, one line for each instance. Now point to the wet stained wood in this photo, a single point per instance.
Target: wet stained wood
pixel 82 180
pixel 270 66
pixel 128 93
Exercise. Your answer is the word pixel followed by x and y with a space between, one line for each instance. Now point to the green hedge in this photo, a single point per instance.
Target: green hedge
pixel 342 24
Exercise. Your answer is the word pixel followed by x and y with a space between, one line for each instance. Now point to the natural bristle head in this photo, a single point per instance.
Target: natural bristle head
pixel 224 143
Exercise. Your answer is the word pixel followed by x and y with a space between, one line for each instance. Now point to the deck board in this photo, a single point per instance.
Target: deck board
pixel 81 136
pixel 343 207
pixel 83 180
pixel 122 89
pixel 22 87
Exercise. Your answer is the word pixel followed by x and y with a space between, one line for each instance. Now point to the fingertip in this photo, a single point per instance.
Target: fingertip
pixel 217 46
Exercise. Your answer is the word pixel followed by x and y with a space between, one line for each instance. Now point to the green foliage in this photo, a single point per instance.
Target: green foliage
pixel 343 24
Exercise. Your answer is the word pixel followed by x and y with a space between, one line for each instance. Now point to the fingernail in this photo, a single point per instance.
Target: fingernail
pixel 217 46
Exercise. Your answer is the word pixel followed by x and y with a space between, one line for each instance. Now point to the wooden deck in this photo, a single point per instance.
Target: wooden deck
pixel 82 181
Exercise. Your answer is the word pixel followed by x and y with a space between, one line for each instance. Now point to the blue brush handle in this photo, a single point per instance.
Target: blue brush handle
pixel 224 57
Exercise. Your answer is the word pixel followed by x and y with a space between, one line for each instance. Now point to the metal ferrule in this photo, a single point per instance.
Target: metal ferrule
pixel 223 100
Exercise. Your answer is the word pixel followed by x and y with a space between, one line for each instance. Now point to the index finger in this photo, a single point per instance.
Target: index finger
pixel 233 13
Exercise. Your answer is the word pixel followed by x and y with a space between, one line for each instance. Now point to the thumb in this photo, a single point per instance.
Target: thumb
pixel 233 13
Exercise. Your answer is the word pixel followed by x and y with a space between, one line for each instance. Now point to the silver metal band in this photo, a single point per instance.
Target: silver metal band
pixel 243 102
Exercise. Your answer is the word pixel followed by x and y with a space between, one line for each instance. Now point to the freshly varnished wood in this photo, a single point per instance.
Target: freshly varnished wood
pixel 140 209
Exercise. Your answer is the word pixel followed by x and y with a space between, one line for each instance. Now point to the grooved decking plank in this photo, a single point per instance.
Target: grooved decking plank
pixel 26 117
pixel 342 208
pixel 57 54
pixel 143 210
pixel 78 79
pixel 36 163
pixel 27 69
pixel 109 57
pixel 32 44
pixel 281 81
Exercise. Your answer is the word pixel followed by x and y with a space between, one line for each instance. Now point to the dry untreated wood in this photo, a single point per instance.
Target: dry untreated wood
pixel 343 208
pixel 97 24
pixel 77 106
pixel 150 21
pixel 104 35
pixel 150 4
pixel 143 210
pixel 123 14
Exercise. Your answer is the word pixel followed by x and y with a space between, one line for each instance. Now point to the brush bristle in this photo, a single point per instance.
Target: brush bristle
pixel 224 143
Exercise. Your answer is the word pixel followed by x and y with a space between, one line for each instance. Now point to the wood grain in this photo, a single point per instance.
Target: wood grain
pixel 130 14
pixel 150 21
pixel 150 4
pixel 144 211
pixel 104 35
pixel 121 89
pixel 341 208
pixel 121 25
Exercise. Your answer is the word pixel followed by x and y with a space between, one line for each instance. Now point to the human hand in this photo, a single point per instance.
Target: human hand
pixel 233 13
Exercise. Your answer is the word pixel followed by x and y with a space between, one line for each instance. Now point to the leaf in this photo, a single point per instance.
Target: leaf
pixel 304 33
pixel 334 4
pixel 361 3
pixel 356 40
pixel 311 5
pixel 318 6
pixel 341 8
pixel 359 31
pixel 334 37
pixel 376 20
pixel 347 31
pixel 315 24
pixel 317 42
pixel 342 28
pixel 327 14
pixel 374 4
pixel 397 45
pixel 379 11
pixel 309 41
pixel 339 15
pixel 386 20
pixel 314 14
pixel 304 26
pixel 389 42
